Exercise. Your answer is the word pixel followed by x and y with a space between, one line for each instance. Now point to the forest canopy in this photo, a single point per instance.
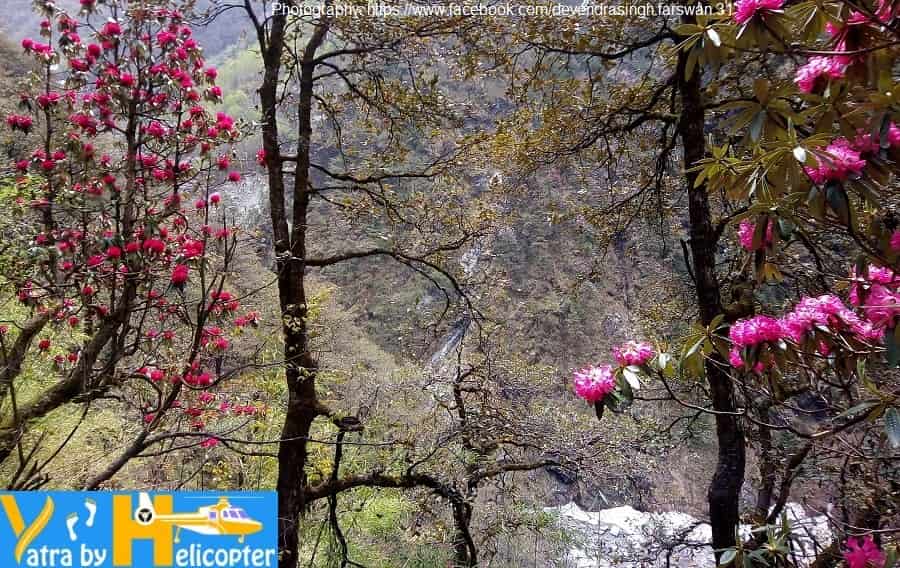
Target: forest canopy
pixel 466 284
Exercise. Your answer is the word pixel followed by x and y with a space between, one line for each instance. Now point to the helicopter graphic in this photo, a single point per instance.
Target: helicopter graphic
pixel 219 519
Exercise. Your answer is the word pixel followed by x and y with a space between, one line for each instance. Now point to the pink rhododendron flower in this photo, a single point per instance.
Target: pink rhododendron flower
pixel 755 330
pixel 180 275
pixel 886 10
pixel 594 382
pixel 867 143
pixel 633 353
pixel 223 121
pixel 895 241
pixel 747 229
pixel 828 311
pixel 882 306
pixel 734 357
pixel 746 9
pixel 192 249
pixel 19 122
pixel 863 553
pixel 842 161
pixel 111 29
pixel 824 68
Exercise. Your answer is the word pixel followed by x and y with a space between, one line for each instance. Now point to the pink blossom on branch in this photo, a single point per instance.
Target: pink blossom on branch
pixel 755 330
pixel 747 9
pixel 863 553
pixel 594 382
pixel 747 229
pixel 633 353
pixel 817 70
pixel 842 162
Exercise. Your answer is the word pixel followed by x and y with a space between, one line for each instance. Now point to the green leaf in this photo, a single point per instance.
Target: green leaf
pixel 761 90
pixel 785 228
pixel 757 126
pixel 632 377
pixel 854 410
pixel 816 203
pixel 837 200
pixel 727 557
pixel 691 63
pixel 892 426
pixel 598 409
pixel 890 557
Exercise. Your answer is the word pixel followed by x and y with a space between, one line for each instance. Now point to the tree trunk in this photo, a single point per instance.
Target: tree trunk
pixel 290 250
pixel 724 489
pixel 464 551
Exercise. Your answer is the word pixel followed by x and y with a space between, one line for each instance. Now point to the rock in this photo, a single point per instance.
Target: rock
pixel 627 538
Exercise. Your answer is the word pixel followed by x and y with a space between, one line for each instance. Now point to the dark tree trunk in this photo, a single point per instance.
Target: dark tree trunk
pixel 724 489
pixel 464 551
pixel 290 250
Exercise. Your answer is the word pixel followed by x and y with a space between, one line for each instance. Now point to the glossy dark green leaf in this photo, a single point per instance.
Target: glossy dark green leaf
pixel 892 426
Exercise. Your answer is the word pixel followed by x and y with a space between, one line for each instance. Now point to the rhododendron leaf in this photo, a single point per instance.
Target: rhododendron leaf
pixel 854 410
pixel 621 398
pixel 759 232
pixel 892 426
pixel 816 203
pixel 722 346
pixel 785 228
pixel 837 200
pixel 691 63
pixel 688 29
pixel 631 375
pixel 598 409
pixel 761 90
pixel 727 557
pixel 715 323
pixel 890 557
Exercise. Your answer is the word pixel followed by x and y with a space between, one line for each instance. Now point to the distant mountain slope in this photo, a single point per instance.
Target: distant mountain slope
pixel 19 20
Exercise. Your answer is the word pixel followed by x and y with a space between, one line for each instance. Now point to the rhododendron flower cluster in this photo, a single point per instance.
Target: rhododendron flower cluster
pixel 746 231
pixel 819 70
pixel 746 9
pixel 758 329
pixel 594 382
pixel 827 311
pixel 19 122
pixel 863 553
pixel 877 295
pixel 822 313
pixel 633 353
pixel 843 161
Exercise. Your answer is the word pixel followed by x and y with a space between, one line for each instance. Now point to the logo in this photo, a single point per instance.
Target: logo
pixel 138 530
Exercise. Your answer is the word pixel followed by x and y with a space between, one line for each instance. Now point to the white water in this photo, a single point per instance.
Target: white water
pixel 626 538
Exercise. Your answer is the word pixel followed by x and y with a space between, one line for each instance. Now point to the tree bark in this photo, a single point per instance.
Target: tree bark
pixel 724 489
pixel 290 250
